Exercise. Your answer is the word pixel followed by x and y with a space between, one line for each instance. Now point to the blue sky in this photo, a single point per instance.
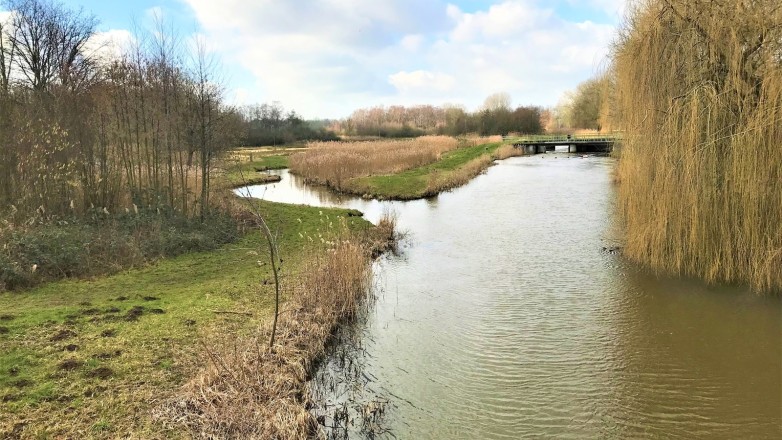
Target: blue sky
pixel 325 58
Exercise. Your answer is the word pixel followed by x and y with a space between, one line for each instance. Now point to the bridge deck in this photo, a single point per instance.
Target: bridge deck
pixel 534 144
pixel 562 139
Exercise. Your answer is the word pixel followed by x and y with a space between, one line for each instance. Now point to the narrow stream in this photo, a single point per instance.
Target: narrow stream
pixel 507 316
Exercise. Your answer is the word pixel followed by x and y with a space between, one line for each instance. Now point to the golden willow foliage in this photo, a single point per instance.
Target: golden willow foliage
pixel 699 93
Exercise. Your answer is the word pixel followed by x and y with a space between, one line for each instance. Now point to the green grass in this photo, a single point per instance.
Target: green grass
pixel 97 355
pixel 252 171
pixel 413 184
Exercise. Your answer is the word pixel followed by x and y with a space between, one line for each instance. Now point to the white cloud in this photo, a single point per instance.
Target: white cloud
pixel 325 59
pixel 110 44
pixel 615 8
pixel 154 13
pixel 422 82
pixel 499 21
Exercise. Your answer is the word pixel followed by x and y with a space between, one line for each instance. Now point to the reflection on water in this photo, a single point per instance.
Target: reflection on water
pixel 505 318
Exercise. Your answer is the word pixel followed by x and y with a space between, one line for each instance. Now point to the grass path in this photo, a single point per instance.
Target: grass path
pixel 81 359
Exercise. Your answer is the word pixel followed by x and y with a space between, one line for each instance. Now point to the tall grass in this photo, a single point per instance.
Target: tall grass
pixel 334 163
pixel 445 180
pixel 506 151
pixel 699 93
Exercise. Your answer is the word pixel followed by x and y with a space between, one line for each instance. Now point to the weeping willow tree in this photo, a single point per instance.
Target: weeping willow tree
pixel 699 93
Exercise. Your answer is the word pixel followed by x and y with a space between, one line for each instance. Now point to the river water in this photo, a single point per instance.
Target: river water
pixel 507 315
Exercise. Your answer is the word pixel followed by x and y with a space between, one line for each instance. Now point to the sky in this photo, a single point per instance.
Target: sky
pixel 326 58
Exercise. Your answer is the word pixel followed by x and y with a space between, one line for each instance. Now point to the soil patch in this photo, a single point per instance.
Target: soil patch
pixel 4 330
pixel 107 355
pixel 71 347
pixel 22 383
pixel 92 392
pixel 157 311
pixel 62 335
pixel 7 317
pixel 101 373
pixel 11 398
pixel 134 313
pixel 151 298
pixel 109 333
pixel 70 364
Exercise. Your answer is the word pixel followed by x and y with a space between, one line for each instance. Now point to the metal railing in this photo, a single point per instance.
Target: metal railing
pixel 565 138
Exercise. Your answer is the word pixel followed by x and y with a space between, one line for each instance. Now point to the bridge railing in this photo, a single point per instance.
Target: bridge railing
pixel 564 138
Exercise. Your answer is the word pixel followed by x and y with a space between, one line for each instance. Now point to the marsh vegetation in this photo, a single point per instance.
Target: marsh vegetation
pixel 399 169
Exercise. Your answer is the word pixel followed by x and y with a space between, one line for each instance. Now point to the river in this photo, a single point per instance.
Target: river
pixel 508 315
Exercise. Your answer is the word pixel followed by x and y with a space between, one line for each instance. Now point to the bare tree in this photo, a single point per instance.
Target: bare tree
pixel 49 42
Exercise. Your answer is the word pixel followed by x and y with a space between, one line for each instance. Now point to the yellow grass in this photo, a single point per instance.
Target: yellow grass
pixel 334 163
pixel 443 181
pixel 506 151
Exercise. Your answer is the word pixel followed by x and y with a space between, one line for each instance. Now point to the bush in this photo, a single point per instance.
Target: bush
pixel 102 245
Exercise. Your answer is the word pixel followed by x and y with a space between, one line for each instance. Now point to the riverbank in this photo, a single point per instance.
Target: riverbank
pixel 248 166
pixel 454 169
pixel 449 166
pixel 251 390
pixel 95 358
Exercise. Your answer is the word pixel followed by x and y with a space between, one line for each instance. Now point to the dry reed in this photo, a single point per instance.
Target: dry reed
pixel 506 151
pixel 251 391
pixel 699 93
pixel 474 141
pixel 443 181
pixel 334 163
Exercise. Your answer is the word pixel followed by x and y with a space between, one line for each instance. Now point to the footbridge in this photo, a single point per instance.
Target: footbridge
pixel 575 143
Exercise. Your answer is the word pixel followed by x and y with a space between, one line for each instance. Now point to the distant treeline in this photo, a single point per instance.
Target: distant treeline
pixel 497 118
pixel 271 124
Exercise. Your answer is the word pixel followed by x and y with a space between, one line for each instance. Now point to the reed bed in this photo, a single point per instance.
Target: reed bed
pixel 443 181
pixel 251 391
pixel 446 180
pixel 474 141
pixel 699 92
pixel 334 163
pixel 506 151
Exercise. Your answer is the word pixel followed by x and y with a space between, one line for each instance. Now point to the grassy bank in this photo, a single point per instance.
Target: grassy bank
pixel 248 167
pixel 442 170
pixel 95 358
pixel 253 391
pixel 454 169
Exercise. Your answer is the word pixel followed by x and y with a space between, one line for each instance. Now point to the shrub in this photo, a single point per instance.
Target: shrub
pixel 102 244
